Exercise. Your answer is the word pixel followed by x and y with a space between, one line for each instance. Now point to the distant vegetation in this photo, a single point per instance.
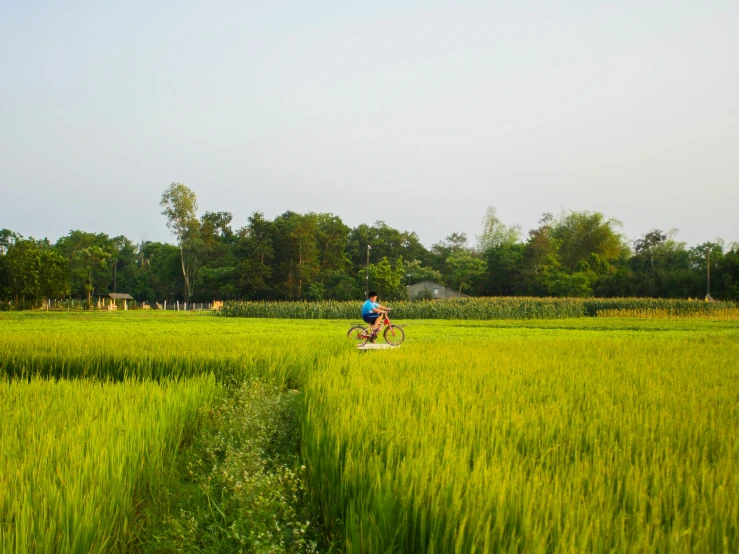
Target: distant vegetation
pixel 315 256
pixel 494 308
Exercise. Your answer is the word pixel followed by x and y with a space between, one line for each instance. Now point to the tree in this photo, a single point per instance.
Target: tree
pixel 465 268
pixel 540 259
pixel 179 205
pixel 706 257
pixel 386 242
pixel 386 279
pixel 296 247
pixel 160 269
pixel 91 258
pixel 217 224
pixel 503 270
pixel 440 252
pixel 495 234
pixel 419 272
pixel 571 285
pixel 53 275
pixel 7 239
pixel 24 265
pixel 332 236
pixel 255 249
pixel 650 243
pixel 583 233
pixel 70 246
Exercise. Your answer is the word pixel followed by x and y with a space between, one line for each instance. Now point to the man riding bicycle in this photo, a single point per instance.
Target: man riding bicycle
pixel 372 312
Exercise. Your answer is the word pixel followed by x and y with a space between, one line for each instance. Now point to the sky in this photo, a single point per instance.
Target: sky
pixel 419 114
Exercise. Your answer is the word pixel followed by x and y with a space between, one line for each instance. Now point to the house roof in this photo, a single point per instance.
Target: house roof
pixel 115 296
pixel 431 285
pixel 437 285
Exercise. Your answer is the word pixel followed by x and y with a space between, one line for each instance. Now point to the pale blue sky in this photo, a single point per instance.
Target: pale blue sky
pixel 417 113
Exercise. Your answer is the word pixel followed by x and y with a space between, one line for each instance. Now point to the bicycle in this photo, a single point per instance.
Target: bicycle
pixel 393 334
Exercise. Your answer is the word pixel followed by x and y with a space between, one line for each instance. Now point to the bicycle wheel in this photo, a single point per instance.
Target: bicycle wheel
pixel 358 334
pixel 394 335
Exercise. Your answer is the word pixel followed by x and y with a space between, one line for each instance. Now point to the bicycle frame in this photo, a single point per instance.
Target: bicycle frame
pixel 385 321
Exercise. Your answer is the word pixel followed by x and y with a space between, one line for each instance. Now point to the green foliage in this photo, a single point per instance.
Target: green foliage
pixel 24 266
pixel 424 294
pixel 388 280
pixel 240 487
pixel 419 273
pixel 495 234
pixel 54 275
pixel 76 453
pixel 179 205
pixel 465 268
pixel 516 307
pixel 584 233
pixel 90 259
pixel 316 256
pixel 575 285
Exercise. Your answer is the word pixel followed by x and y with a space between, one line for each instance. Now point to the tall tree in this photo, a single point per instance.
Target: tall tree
pixel 465 268
pixel 583 233
pixel 387 280
pixel 53 274
pixel 92 258
pixel 418 272
pixel 179 205
pixel 24 266
pixel 70 247
pixel 495 234
pixel 256 250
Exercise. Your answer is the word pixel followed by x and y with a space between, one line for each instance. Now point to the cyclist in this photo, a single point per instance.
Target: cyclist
pixel 372 312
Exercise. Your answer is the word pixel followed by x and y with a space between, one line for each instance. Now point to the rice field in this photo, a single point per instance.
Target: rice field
pixel 596 434
pixel 76 453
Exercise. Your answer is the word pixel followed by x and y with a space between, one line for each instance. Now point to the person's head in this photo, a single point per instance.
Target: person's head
pixel 372 296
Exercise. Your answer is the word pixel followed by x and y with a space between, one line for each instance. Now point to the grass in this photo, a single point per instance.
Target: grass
pixel 76 455
pixel 240 485
pixel 559 435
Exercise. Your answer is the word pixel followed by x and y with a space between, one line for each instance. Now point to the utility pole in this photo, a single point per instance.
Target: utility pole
pixel 708 276
pixel 366 287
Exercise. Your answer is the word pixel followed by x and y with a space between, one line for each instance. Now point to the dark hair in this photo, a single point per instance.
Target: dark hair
pixel 371 294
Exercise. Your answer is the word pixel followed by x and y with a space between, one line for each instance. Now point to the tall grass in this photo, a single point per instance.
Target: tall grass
pixel 74 456
pixel 587 435
pixel 473 308
pixel 160 347
pixel 566 441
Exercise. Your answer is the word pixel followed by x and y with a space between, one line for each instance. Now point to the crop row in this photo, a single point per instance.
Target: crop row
pixel 476 308
pixel 74 454
pixel 544 442
pixel 159 347
pixel 729 314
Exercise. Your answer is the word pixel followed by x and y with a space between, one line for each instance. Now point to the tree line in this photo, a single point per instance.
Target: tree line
pixel 316 256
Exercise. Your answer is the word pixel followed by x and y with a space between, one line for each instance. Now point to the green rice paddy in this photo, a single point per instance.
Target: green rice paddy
pixel 565 435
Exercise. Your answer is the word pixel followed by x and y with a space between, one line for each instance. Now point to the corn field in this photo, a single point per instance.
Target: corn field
pixel 662 313
pixel 477 308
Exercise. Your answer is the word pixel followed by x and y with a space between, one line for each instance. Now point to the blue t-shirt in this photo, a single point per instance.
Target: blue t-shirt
pixel 368 306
